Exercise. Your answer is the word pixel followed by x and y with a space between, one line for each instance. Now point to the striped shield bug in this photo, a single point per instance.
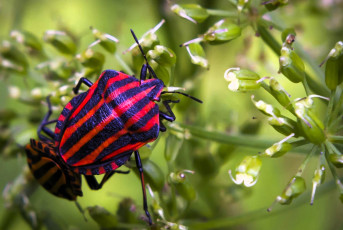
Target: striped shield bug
pixel 98 130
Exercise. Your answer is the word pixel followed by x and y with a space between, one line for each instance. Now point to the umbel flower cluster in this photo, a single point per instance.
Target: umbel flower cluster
pixel 303 126
pixel 299 120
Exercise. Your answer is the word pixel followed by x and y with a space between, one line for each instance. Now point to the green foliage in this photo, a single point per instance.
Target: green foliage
pixel 188 186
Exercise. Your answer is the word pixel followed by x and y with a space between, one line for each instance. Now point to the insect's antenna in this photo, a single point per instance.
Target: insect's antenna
pixel 184 94
pixel 140 47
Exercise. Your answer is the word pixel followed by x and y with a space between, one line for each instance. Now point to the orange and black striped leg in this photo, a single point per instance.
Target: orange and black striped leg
pixel 78 85
pixel 95 185
pixel 140 169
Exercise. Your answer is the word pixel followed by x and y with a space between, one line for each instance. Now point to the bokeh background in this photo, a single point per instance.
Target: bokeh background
pixel 319 26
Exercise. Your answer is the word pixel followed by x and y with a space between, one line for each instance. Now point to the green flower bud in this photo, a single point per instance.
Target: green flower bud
pixel 186 191
pixel 102 217
pixel 334 67
pixel 161 72
pixel 242 80
pixel 285 35
pixel 57 68
pixel 266 109
pixel 311 126
pixel 179 176
pixel 222 31
pixel 336 160
pixel 148 40
pixel 14 92
pixel 284 125
pixel 197 54
pixel 274 4
pixel 278 149
pixel 91 59
pixel 11 66
pixel 162 55
pixel 280 94
pixel 39 93
pixel 108 42
pixel 192 12
pixel 183 187
pixel 318 178
pixel 291 65
pixel 13 58
pixel 61 41
pixel 127 211
pixel 145 152
pixel 247 171
pixel 27 39
pixel 295 187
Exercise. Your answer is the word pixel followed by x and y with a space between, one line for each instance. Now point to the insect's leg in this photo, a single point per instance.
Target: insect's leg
pixel 95 185
pixel 162 127
pixel 140 169
pixel 45 122
pixel 171 116
pixel 78 85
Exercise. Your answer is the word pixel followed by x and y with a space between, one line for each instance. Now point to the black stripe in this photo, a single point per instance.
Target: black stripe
pixel 53 179
pixel 43 169
pixel 119 160
pixel 145 119
pixel 61 124
pixel 62 191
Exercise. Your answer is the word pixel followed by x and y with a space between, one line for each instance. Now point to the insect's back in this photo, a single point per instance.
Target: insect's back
pixel 99 129
pixel 47 169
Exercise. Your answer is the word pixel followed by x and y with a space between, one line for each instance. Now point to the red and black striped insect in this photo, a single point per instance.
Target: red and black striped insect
pixel 98 130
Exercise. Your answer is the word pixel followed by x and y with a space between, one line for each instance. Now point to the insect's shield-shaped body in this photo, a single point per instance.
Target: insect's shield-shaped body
pixel 99 129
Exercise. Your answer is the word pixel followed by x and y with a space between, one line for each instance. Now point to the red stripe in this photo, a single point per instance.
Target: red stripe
pixel 101 170
pixel 114 166
pixel 140 114
pixel 84 102
pixel 86 138
pixel 111 81
pixel 73 128
pixel 119 110
pixel 130 147
pixel 61 118
pixel 153 121
pixel 113 95
pixel 90 158
pixel 69 106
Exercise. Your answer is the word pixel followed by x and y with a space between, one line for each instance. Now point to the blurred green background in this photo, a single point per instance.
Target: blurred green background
pixel 318 25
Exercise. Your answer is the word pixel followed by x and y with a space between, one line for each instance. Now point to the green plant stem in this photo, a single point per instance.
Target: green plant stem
pixel 222 13
pixel 123 64
pixel 225 223
pixel 232 139
pixel 303 165
pixel 330 108
pixel 306 87
pixel 336 139
pixel 298 143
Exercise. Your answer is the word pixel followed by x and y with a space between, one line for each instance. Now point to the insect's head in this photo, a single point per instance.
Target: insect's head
pixel 151 71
